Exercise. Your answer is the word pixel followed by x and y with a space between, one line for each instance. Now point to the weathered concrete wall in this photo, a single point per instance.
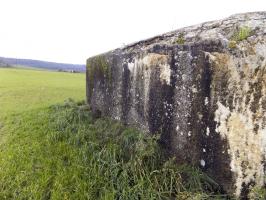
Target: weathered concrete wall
pixel 203 87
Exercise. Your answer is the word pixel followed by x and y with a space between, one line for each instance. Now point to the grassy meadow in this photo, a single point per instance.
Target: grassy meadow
pixel 52 148
pixel 22 90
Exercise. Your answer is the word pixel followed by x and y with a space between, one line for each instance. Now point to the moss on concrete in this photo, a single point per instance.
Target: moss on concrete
pixel 180 39
pixel 98 68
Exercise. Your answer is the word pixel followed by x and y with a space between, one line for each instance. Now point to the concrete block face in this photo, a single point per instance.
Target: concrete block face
pixel 202 87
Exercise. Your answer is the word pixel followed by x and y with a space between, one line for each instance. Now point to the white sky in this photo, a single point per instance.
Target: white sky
pixel 73 30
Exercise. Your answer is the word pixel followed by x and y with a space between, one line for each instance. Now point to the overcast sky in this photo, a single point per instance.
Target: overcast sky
pixel 73 30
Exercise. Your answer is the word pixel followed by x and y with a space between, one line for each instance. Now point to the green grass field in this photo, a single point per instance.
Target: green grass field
pixel 22 90
pixel 54 149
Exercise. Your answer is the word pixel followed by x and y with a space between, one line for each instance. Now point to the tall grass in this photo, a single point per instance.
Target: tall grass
pixel 63 153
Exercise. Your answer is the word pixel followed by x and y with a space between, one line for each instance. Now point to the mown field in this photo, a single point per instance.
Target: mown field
pixel 52 148
pixel 22 90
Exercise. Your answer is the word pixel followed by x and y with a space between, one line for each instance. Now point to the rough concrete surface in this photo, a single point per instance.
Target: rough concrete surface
pixel 203 87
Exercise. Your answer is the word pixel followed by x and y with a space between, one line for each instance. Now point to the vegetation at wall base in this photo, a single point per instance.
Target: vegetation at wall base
pixel 61 152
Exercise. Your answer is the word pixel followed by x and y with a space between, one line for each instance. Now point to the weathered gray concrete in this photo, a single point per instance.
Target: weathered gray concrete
pixel 203 87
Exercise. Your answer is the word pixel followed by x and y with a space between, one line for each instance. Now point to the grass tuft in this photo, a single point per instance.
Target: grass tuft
pixel 258 193
pixel 180 39
pixel 241 34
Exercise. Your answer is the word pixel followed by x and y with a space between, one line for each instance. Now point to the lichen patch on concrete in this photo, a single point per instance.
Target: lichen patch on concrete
pixel 240 118
pixel 161 61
